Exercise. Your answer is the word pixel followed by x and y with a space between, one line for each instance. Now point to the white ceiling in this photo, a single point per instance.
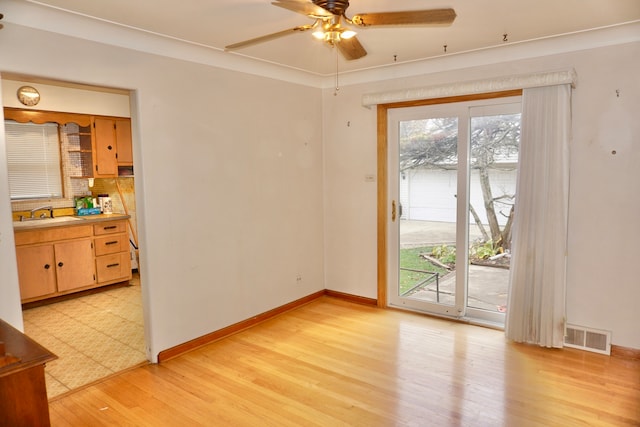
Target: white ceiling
pixel 479 25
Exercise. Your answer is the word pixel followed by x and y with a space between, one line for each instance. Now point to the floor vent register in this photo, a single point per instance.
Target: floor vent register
pixel 589 339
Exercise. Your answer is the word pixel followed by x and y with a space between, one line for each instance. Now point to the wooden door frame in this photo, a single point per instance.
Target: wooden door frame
pixel 382 171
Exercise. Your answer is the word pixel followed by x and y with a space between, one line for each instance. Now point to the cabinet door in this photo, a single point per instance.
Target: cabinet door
pixel 123 140
pixel 74 264
pixel 105 149
pixel 36 271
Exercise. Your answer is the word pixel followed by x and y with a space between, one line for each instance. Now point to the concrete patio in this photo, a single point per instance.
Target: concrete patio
pixel 487 286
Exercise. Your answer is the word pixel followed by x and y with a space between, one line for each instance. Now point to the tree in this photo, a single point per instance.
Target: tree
pixel 433 143
pixel 495 138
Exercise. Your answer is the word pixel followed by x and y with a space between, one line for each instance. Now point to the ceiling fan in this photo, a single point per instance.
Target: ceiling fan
pixel 329 15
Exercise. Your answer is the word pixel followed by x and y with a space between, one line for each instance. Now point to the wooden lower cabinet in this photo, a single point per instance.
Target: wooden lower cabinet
pixel 113 260
pixel 66 259
pixel 113 267
pixel 36 271
pixel 74 264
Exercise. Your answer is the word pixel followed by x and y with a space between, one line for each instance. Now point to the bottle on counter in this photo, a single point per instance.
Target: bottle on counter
pixel 101 198
pixel 107 205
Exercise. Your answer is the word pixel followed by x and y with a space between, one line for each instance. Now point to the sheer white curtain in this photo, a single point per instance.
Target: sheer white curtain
pixel 536 307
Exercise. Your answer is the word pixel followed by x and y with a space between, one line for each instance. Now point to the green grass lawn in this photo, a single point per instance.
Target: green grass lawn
pixel 410 258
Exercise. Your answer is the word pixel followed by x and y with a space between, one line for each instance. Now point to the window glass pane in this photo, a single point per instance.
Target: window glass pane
pixel 495 143
pixel 33 152
pixel 428 166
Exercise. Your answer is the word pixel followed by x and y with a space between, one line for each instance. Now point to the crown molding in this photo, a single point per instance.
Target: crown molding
pixel 602 37
pixel 46 18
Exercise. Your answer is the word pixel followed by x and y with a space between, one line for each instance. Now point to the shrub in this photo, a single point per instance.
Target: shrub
pixel 485 250
pixel 445 254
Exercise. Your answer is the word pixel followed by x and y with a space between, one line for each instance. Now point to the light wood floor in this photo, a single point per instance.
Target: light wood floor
pixel 333 363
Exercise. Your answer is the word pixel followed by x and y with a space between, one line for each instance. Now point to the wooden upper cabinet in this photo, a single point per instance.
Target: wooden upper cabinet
pixel 104 142
pixel 112 145
pixel 123 140
pixel 105 148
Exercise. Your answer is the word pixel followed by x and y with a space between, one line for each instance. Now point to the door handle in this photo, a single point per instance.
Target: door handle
pixel 393 211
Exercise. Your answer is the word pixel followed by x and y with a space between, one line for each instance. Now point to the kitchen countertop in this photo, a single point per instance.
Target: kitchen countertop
pixel 65 221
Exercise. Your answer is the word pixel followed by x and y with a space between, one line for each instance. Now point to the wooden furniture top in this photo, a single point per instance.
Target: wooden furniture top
pixel 21 351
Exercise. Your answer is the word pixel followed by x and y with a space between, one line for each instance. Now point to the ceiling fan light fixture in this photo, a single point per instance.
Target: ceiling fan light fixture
pixel 328 15
pixel 333 34
pixel 347 34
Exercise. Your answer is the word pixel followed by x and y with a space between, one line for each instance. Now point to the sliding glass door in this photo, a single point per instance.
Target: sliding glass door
pixel 452 175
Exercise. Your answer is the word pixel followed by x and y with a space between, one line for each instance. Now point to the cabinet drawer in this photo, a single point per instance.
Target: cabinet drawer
pixel 113 267
pixel 52 234
pixel 109 227
pixel 111 244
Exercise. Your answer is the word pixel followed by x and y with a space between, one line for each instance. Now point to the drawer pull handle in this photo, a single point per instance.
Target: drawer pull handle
pixel 113 242
pixel 60 264
pixel 110 227
pixel 47 266
pixel 113 265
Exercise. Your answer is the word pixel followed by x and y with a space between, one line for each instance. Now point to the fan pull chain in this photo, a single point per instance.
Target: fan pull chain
pixel 337 88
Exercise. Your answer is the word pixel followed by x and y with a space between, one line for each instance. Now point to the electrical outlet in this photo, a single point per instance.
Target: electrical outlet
pixel 299 278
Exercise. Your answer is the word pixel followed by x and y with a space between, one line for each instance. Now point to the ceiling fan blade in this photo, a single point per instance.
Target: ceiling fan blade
pixel 351 48
pixel 416 17
pixel 304 7
pixel 268 37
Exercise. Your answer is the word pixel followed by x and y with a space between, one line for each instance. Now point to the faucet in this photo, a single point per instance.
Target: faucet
pixel 41 208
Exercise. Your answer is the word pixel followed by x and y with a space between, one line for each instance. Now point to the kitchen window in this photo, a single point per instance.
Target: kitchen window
pixel 33 152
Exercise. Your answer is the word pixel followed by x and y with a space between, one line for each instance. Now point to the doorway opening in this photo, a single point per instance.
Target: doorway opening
pixel 94 326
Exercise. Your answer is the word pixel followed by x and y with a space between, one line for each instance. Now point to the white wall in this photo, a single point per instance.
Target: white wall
pixel 9 290
pixel 603 281
pixel 228 183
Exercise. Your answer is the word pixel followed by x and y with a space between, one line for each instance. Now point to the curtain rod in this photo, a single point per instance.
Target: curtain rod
pixel 498 84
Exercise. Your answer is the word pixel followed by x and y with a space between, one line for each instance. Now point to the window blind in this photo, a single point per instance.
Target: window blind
pixel 33 152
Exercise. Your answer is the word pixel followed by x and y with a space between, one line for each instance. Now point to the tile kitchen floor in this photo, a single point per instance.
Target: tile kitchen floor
pixel 93 336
